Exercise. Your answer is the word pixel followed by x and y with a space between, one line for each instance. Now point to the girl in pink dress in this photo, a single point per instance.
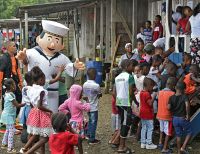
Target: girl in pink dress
pixel 39 118
pixel 76 108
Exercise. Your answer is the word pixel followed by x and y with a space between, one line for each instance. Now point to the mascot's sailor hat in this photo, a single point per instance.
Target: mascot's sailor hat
pixel 54 28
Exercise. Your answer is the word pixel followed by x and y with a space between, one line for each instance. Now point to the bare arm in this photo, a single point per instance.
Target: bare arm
pixel 150 101
pixel 188 27
pixel 187 105
pixel 39 104
pixel 168 52
pixel 114 94
pixel 14 102
pixel 61 69
pixel 194 78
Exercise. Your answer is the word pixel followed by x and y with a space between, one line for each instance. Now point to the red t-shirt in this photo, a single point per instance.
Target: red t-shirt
pixel 63 143
pixel 183 22
pixel 114 107
pixel 146 111
pixel 157 30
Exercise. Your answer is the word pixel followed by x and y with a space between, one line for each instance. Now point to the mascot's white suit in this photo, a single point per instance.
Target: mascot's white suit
pixel 46 55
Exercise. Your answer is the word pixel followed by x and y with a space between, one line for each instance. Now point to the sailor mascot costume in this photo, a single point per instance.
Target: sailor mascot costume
pixel 47 56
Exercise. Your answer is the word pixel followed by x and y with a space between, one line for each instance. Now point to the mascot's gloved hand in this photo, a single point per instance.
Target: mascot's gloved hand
pixel 21 55
pixel 79 65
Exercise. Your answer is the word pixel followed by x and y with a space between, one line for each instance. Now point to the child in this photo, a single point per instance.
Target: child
pixel 124 95
pixel 26 99
pixel 92 90
pixel 164 115
pixel 26 109
pixel 62 88
pixel 157 28
pixel 180 108
pixel 187 61
pixel 39 118
pixel 171 71
pixel 129 54
pixel 63 141
pixel 148 32
pixel 141 34
pixel 139 50
pixel 147 114
pixel 115 118
pixel 9 114
pixel 191 80
pixel 76 108
pixel 154 72
pixel 149 52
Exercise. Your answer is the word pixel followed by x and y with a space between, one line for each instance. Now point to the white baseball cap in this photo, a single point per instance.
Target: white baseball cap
pixel 54 28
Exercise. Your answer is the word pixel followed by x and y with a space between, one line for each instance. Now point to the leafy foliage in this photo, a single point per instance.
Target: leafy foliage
pixel 8 7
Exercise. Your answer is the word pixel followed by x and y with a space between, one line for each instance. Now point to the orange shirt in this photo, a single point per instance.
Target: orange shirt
pixel 190 84
pixel 163 98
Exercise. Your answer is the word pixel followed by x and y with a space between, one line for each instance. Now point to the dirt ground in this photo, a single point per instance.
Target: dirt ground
pixel 104 132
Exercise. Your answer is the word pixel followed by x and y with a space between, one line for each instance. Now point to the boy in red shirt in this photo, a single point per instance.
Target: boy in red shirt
pixel 147 114
pixel 63 141
pixel 158 28
pixel 164 115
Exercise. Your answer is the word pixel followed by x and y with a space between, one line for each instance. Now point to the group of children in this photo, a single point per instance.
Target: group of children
pixel 153 91
pixel 150 34
pixel 64 129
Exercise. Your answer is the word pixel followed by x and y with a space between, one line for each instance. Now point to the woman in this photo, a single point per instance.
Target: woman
pixel 128 54
pixel 193 26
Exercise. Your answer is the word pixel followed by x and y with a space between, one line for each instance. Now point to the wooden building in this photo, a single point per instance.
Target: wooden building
pixel 108 24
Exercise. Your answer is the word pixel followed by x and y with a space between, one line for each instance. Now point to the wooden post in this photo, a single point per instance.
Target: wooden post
pixel 20 36
pixel 113 26
pixel 113 34
pixel 108 14
pixel 167 23
pixel 26 28
pixel 95 25
pixel 101 31
pixel 134 22
pixel 77 33
pixel 68 48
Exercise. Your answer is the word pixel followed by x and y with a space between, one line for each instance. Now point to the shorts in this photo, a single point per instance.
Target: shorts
pixel 182 126
pixel 116 122
pixel 125 114
pixel 78 127
pixel 166 127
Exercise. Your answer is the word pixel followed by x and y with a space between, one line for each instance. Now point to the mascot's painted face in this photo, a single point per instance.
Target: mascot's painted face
pixel 50 43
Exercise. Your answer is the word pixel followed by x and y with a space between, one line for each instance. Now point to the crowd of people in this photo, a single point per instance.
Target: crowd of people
pixel 150 92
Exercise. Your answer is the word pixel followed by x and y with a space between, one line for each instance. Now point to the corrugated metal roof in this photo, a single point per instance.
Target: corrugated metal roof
pixel 45 9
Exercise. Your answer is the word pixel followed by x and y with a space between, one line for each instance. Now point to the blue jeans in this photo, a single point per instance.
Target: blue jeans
pixel 92 125
pixel 146 132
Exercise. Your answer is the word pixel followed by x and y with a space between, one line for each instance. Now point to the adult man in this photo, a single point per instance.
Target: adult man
pixel 46 55
pixel 9 69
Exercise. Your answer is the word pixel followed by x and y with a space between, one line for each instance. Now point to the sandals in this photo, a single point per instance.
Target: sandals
pixel 114 145
pixel 168 151
pixel 128 151
pixel 184 151
pixel 22 150
pixel 12 151
pixel 4 146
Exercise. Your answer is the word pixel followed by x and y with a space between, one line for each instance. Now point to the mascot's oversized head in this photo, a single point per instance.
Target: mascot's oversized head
pixel 51 38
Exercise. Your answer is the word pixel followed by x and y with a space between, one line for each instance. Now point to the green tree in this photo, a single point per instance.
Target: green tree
pixel 8 7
